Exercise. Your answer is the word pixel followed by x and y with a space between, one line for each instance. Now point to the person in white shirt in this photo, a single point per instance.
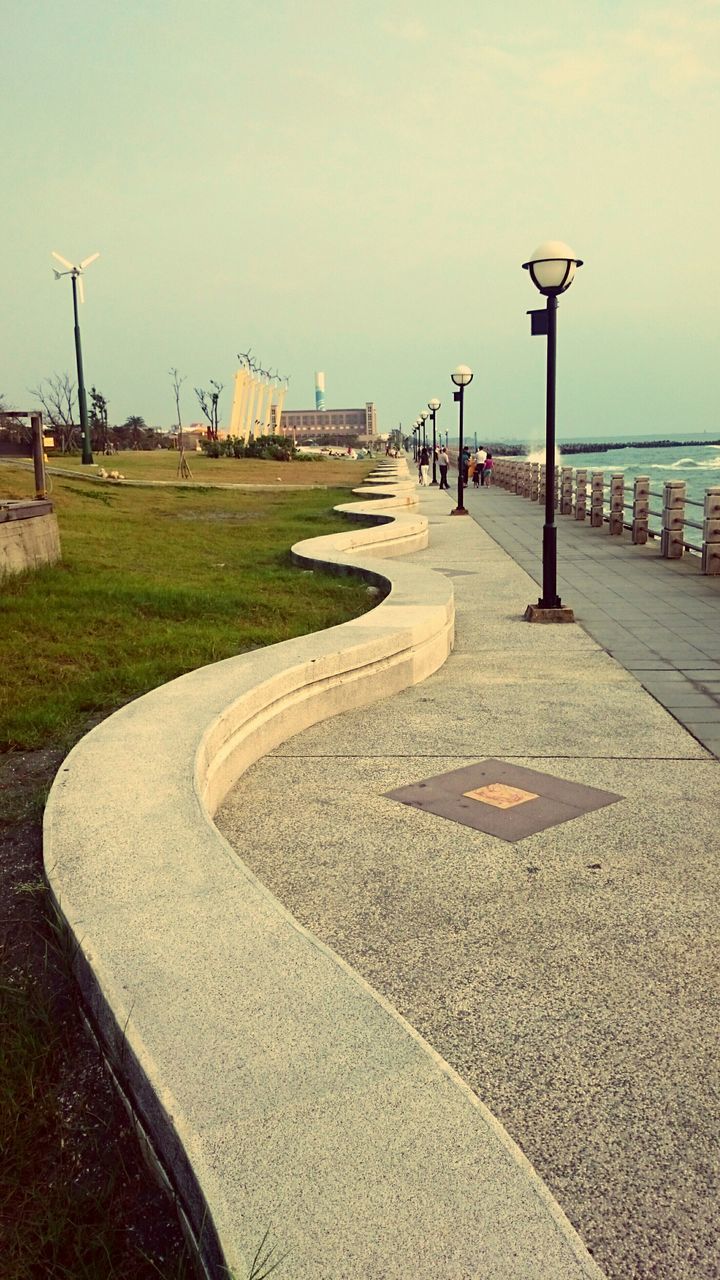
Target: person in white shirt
pixel 479 475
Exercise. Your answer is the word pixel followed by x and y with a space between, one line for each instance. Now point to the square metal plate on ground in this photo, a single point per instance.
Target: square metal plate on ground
pixel 504 800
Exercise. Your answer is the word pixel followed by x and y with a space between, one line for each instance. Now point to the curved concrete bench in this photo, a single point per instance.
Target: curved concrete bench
pixel 290 1107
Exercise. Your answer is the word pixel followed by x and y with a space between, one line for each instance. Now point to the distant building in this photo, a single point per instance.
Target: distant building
pixel 328 426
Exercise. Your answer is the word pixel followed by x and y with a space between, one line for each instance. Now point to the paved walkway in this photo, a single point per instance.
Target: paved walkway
pixel 659 618
pixel 571 976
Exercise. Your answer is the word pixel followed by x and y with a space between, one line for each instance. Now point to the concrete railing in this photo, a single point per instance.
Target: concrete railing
pixel 283 1100
pixel 609 501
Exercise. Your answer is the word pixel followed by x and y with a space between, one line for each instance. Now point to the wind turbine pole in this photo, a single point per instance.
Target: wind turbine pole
pixel 82 399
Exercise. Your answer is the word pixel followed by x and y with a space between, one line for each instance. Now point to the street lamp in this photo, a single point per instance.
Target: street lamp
pixel 462 377
pixel 433 406
pixel 423 416
pixel 415 443
pixel 552 268
pixel 76 274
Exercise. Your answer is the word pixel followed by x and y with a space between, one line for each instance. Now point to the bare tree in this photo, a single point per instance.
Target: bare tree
pixel 183 469
pixel 209 404
pixel 57 395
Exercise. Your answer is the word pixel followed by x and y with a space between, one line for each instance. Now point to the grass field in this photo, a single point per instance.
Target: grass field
pixel 162 464
pixel 153 582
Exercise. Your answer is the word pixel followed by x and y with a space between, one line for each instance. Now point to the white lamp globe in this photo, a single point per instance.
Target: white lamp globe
pixel 434 405
pixel 552 267
pixel 424 415
pixel 462 376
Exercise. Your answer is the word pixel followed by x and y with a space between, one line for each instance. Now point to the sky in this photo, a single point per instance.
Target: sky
pixel 352 186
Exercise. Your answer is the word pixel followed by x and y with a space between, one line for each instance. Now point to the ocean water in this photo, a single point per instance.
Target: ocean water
pixel 697 465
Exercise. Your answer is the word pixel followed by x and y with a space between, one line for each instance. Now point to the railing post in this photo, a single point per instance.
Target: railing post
pixel 566 479
pixel 519 477
pixel 535 481
pixel 711 531
pixel 597 499
pixel 542 482
pixel 641 510
pixel 673 520
pixel 556 489
pixel 580 494
pixel 617 502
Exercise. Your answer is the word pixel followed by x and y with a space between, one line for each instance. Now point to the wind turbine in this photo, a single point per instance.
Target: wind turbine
pixel 76 273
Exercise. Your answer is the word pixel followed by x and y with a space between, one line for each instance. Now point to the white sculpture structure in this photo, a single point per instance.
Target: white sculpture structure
pixel 253 394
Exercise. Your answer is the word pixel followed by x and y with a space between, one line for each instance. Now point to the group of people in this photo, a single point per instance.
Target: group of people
pixel 477 466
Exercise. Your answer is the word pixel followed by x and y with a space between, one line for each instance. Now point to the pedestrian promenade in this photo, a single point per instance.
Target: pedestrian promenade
pixel 569 975
pixel 659 618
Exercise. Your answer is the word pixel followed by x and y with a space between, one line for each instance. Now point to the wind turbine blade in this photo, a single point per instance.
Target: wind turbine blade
pixel 61 259
pixel 81 289
pixel 86 261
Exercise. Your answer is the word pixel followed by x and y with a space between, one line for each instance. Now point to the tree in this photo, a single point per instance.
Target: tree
pixel 99 421
pixel 57 395
pixel 135 428
pixel 183 468
pixel 209 404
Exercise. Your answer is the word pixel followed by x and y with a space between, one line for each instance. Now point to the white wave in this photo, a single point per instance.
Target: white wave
pixel 538 455
pixel 685 464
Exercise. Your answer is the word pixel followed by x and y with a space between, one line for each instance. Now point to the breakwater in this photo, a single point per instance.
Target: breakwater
pixel 583 446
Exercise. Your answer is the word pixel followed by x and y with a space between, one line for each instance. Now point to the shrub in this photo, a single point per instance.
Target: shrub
pixel 275 447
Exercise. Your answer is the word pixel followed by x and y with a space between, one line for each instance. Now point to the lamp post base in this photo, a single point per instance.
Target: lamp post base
pixel 538 613
pixel 459 511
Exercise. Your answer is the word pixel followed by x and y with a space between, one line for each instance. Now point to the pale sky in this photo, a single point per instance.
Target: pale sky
pixel 352 187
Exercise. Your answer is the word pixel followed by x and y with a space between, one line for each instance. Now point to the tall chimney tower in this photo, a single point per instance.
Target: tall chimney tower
pixel 319 390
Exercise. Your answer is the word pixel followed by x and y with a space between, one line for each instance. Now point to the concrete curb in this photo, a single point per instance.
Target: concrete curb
pixel 279 1092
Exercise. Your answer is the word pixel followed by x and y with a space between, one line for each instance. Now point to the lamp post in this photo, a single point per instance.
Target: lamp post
pixel 415 443
pixel 76 274
pixel 433 406
pixel 552 268
pixel 423 416
pixel 462 377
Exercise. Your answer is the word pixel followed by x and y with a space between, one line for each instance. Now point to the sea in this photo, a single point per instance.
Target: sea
pixel 697 465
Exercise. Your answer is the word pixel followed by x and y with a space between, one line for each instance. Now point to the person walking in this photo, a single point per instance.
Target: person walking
pixel 465 465
pixel 424 466
pixel 480 456
pixel 488 469
pixel 443 463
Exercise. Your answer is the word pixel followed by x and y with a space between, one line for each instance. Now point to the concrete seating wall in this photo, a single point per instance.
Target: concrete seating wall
pixel 29 536
pixel 281 1098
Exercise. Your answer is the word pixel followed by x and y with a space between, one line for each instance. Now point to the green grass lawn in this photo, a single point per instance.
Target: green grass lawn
pixel 153 583
pixel 162 464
